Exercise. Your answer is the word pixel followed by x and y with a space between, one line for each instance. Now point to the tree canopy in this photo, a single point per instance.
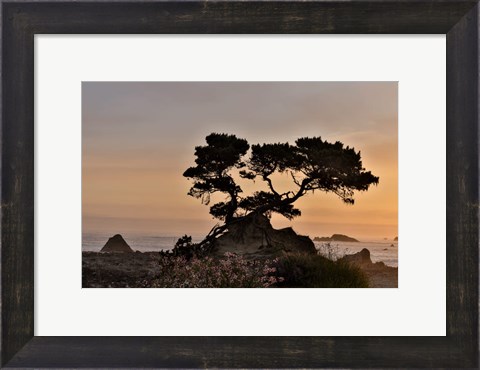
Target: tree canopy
pixel 312 164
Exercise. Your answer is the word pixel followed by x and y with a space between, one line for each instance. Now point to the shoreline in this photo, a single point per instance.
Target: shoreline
pixel 380 251
pixel 138 269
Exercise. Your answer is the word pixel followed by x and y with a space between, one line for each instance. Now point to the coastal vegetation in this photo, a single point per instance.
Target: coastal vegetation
pixel 231 271
pixel 153 270
pixel 312 164
pixel 305 271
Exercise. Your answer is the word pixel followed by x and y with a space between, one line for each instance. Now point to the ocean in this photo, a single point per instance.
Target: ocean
pixel 380 250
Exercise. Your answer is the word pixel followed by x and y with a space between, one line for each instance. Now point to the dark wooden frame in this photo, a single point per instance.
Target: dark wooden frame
pixel 459 20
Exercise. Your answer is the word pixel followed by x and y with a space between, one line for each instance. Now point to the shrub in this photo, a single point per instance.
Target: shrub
pixel 307 271
pixel 231 271
pixel 331 251
pixel 183 247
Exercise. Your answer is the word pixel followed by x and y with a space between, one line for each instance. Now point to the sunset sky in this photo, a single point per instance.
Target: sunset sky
pixel 139 138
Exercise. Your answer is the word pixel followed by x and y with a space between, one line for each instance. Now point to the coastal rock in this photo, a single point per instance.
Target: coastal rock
pixel 379 275
pixel 335 238
pixel 116 244
pixel 255 234
pixel 360 258
pixel 363 260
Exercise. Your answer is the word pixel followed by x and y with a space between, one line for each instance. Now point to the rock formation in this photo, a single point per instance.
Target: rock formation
pixel 361 258
pixel 335 238
pixel 396 239
pixel 255 234
pixel 379 274
pixel 116 244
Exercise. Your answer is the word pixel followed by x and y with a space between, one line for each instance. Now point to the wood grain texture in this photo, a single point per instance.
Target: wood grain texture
pixel 17 189
pixel 20 21
pixel 463 182
pixel 239 352
pixel 232 17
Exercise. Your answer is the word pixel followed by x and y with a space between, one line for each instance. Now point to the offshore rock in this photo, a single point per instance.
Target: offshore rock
pixel 335 238
pixel 116 244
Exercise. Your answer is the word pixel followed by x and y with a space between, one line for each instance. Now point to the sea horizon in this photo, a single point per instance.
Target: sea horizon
pixel 381 250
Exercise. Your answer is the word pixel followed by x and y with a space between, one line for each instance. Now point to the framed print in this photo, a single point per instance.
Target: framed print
pixel 215 97
pixel 141 151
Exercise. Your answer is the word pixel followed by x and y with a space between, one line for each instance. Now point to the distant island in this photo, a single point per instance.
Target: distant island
pixel 335 238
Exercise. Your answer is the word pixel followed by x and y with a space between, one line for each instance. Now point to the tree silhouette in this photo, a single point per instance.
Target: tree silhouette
pixel 312 164
pixel 212 173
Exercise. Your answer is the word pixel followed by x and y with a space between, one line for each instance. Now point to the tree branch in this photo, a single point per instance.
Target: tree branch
pixel 295 181
pixel 270 185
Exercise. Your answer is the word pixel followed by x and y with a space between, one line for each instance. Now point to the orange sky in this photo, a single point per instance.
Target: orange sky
pixel 139 137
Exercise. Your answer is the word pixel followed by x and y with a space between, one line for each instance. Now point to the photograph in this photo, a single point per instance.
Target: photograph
pixel 239 184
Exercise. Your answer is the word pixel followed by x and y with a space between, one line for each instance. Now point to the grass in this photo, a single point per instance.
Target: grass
pixel 307 271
